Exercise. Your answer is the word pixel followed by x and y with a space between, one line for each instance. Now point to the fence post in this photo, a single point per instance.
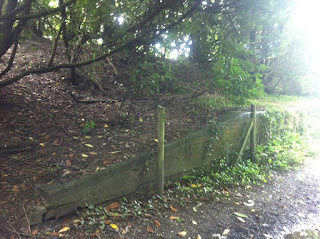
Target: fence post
pixel 253 135
pixel 160 170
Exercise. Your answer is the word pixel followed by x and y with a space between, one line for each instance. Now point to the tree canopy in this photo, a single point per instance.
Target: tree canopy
pixel 246 42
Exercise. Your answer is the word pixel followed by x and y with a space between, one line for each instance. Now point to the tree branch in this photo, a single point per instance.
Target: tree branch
pixel 10 62
pixel 16 11
pixel 45 12
pixel 98 58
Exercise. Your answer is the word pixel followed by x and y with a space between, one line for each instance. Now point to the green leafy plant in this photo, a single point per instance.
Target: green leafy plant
pixel 88 127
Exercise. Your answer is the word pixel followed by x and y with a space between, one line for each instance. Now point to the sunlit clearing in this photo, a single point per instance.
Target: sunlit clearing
pixel 54 3
pixel 306 19
pixel 120 20
pixel 174 54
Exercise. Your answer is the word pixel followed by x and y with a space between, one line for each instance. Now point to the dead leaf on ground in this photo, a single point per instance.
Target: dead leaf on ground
pixel 54 234
pixel 15 188
pixel 173 209
pixel 114 226
pixel 107 162
pixel 268 236
pixel 182 234
pixel 157 223
pixel 198 237
pixel 250 203
pixel 65 229
pixel 34 232
pixel 112 206
pixel 149 229
pixel 68 162
pixel 225 232
pixel 241 219
pixel 174 218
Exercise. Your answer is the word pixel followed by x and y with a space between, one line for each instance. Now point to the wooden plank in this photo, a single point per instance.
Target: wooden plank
pixel 160 171
pixel 253 135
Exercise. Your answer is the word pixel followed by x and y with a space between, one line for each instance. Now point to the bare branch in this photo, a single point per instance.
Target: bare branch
pixel 40 14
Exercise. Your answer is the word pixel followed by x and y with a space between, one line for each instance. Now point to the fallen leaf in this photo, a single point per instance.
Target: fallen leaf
pixel 84 155
pixel 71 155
pixel 112 206
pixel 75 137
pixel 107 161
pixel 114 226
pixel 249 204
pixel 268 236
pixel 149 229
pixel 241 219
pixel 15 188
pixel 253 210
pixel 174 218
pixel 240 215
pixel 54 234
pixel 65 229
pixel 98 168
pixel 89 145
pixel 198 237
pixel 173 209
pixel 193 185
pixel 156 140
pixel 183 233
pixel 157 223
pixel 140 119
pixel 115 152
pixel 34 232
pixel 225 232
pixel 41 144
pixel 93 153
pixel 96 233
pixel 66 173
pixel 68 162
pixel 148 215
pixel 87 137
pixel 194 222
pixel 106 126
pixel 194 209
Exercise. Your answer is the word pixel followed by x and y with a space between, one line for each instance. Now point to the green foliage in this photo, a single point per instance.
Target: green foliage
pixel 214 102
pixel 285 146
pixel 239 79
pixel 88 127
pixel 150 77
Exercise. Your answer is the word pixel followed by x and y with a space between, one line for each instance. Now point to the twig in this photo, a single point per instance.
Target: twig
pixel 12 228
pixel 27 218
pixel 112 65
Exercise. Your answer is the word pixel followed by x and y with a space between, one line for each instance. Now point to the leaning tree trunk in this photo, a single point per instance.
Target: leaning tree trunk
pixel 6 26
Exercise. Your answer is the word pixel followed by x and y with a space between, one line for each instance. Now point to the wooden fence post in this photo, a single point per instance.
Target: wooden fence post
pixel 160 170
pixel 253 135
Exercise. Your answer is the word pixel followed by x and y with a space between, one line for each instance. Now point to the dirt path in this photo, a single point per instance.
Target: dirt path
pixel 285 207
pixel 290 203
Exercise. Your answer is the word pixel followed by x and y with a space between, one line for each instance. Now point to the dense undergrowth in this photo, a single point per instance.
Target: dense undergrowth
pixel 283 148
